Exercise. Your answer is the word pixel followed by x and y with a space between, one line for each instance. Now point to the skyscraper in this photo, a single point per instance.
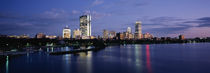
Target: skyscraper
pixel 128 35
pixel 129 30
pixel 138 30
pixel 105 34
pixel 77 34
pixel 112 34
pixel 147 36
pixel 120 36
pixel 66 32
pixel 85 25
pixel 181 37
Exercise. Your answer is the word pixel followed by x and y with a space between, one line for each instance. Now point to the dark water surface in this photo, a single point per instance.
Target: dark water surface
pixel 152 58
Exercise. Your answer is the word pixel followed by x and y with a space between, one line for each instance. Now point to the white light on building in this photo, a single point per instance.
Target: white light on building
pixel 77 34
pixel 138 30
pixel 66 32
pixel 129 30
pixel 85 25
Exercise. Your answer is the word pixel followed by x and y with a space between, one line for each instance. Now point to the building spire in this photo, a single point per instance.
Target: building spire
pixel 67 27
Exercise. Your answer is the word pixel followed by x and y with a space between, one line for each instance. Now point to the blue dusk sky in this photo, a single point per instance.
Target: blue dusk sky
pixel 159 17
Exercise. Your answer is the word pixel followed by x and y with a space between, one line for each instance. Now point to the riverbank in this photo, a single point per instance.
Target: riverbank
pixel 72 51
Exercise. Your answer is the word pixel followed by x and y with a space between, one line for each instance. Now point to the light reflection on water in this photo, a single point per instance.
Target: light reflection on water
pixel 56 49
pixel 138 57
pixel 7 64
pixel 158 58
pixel 67 62
pixel 148 59
pixel 89 62
pixel 83 61
pixel 47 49
pixel 52 49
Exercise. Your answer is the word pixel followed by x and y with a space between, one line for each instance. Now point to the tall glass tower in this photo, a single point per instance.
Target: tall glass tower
pixel 138 30
pixel 85 25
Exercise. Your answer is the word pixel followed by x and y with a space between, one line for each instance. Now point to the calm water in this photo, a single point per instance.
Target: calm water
pixel 155 58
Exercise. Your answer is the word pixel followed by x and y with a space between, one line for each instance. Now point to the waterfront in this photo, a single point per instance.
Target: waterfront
pixel 146 58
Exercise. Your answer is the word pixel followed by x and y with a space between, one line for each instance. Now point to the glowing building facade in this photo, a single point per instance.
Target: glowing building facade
pixel 129 30
pixel 77 34
pixel 138 30
pixel 40 35
pixel 85 25
pixel 105 34
pixel 66 33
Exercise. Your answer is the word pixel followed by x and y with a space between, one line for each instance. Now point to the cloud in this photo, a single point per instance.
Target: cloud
pixel 47 21
pixel 192 32
pixel 166 19
pixel 55 14
pixel 140 4
pixel 163 22
pixel 197 32
pixel 202 22
pixel 132 2
pixel 163 26
pixel 124 5
pixel 205 19
pixel 161 30
pixel 75 12
pixel 13 28
pixel 6 16
pixel 97 15
pixel 174 26
pixel 50 21
pixel 97 2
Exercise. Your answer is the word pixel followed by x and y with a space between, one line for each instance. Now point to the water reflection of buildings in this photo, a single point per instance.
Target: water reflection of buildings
pixel 50 49
pixel 67 62
pixel 148 63
pixel 7 64
pixel 83 62
pixel 138 58
pixel 89 61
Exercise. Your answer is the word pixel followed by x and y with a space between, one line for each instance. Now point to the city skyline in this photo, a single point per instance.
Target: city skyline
pixel 160 18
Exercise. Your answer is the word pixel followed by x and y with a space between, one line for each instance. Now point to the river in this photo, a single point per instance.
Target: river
pixel 137 58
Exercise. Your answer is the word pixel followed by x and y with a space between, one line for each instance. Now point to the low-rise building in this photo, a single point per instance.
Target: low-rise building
pixel 40 35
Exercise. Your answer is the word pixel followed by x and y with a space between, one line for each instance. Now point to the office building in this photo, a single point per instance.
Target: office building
pixel 51 36
pixel 24 36
pixel 66 33
pixel 77 34
pixel 112 34
pixel 85 25
pixel 40 35
pixel 147 36
pixel 105 34
pixel 120 36
pixel 138 30
pixel 128 35
pixel 129 30
pixel 181 37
